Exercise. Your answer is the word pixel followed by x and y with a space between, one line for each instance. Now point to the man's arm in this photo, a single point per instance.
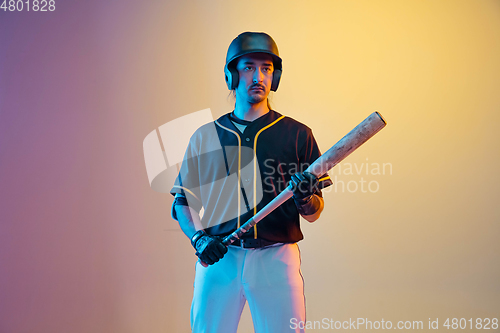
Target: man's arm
pixel 313 212
pixel 208 248
pixel 308 203
pixel 188 219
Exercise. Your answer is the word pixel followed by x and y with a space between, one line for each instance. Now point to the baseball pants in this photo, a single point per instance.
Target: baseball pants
pixel 268 278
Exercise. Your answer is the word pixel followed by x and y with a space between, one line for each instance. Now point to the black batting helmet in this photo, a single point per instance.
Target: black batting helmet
pixel 246 43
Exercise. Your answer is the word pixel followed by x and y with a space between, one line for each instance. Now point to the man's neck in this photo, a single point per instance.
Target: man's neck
pixel 250 112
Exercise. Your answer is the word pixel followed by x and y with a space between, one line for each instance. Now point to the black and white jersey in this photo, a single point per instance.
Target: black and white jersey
pixel 233 174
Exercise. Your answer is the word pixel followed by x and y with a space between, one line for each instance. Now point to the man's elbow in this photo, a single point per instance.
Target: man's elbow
pixel 313 217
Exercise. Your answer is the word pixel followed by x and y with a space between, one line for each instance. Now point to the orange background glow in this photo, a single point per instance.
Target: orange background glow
pixel 87 246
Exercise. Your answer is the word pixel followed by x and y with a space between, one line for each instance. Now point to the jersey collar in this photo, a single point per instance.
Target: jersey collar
pixel 252 126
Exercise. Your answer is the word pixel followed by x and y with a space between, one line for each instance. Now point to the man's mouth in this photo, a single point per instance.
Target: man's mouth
pixel 257 88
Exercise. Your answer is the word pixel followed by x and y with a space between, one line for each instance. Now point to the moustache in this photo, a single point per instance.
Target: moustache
pixel 258 86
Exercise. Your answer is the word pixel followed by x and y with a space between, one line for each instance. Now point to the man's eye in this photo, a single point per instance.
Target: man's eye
pixel 248 68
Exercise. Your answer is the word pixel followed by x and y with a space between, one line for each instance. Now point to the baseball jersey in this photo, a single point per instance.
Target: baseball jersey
pixel 234 174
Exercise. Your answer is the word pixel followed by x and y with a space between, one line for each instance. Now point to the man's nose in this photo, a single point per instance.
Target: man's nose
pixel 258 76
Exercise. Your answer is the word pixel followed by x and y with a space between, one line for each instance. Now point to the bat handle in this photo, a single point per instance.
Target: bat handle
pixel 228 240
pixel 276 202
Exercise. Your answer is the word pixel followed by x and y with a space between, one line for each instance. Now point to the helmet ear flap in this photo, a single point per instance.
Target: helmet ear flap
pixel 276 79
pixel 232 77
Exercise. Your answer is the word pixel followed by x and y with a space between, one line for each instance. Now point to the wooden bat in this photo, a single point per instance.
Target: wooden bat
pixel 349 143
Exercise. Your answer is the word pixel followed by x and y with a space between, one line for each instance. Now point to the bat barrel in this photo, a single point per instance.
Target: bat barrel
pixel 349 143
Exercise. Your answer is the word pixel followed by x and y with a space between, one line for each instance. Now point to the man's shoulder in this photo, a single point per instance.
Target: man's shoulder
pixel 293 123
pixel 208 127
pixel 202 133
pixel 204 129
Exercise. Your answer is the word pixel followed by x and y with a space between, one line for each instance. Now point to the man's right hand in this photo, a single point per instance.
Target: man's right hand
pixel 208 248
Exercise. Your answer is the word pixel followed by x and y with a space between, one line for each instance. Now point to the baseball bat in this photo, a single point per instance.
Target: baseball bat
pixel 349 143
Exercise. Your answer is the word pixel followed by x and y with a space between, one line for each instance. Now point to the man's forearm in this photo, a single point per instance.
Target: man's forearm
pixel 312 209
pixel 189 220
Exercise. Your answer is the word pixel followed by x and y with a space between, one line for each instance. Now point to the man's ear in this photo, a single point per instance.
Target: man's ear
pixel 276 79
pixel 232 77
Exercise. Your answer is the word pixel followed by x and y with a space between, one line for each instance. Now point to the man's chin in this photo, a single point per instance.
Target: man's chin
pixel 256 100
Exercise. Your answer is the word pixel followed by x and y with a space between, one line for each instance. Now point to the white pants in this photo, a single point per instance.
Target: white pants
pixel 268 278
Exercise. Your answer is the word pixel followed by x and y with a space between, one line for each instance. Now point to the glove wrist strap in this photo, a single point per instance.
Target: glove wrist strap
pixel 197 236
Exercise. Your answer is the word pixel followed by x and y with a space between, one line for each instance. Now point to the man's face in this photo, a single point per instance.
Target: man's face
pixel 256 75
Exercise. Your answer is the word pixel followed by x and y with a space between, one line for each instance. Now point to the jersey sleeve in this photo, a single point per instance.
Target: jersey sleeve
pixel 187 182
pixel 308 154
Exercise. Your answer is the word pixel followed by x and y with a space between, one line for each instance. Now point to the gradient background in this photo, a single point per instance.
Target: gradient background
pixel 87 246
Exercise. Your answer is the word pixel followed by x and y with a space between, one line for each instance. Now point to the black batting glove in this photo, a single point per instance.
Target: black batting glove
pixel 304 185
pixel 208 248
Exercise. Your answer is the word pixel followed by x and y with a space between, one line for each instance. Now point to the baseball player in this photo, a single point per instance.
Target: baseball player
pixel 263 152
